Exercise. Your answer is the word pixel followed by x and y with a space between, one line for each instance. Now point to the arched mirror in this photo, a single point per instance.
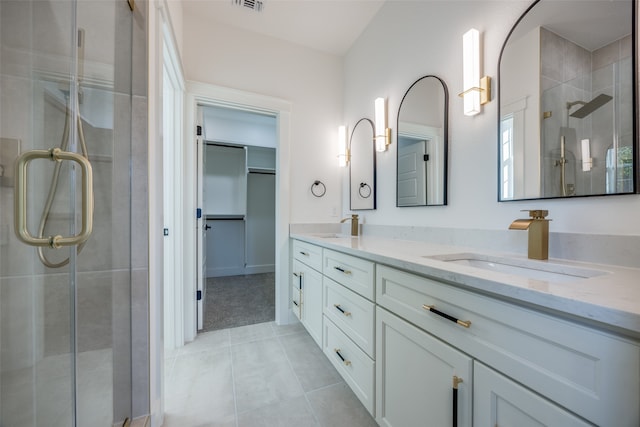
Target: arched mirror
pixel 422 144
pixel 362 169
pixel 566 122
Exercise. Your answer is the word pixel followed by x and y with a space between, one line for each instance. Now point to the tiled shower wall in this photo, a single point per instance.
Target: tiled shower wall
pixel 570 73
pixel 112 285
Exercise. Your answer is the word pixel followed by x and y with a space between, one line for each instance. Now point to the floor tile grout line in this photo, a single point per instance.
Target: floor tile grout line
pixel 304 392
pixel 233 383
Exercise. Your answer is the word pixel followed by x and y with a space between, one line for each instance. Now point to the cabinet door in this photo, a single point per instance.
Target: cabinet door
pixel 312 303
pixel 500 402
pixel 309 283
pixel 415 375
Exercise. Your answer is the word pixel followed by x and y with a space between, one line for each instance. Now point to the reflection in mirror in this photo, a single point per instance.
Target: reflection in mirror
pixel 567 102
pixel 362 169
pixel 422 144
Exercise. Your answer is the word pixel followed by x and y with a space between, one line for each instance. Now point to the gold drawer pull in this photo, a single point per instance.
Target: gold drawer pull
pixel 345 361
pixel 341 310
pixel 431 308
pixel 342 270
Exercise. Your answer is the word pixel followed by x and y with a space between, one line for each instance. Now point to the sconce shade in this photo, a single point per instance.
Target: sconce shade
pixel 471 72
pixel 343 150
pixel 382 132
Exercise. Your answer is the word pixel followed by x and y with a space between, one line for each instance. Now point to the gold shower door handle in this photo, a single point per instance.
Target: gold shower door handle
pixel 20 198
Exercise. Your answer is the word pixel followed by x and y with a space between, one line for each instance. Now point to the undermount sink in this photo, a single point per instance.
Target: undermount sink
pixel 330 235
pixel 538 270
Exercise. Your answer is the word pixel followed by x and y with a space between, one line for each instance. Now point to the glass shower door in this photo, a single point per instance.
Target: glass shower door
pixel 65 84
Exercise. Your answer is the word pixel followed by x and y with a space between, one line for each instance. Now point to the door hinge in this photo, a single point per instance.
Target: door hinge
pixel 199 130
pixel 166 231
pixel 198 295
pixel 198 213
pixel 426 157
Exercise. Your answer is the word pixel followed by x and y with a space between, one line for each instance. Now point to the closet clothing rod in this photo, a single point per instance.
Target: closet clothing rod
pixel 224 217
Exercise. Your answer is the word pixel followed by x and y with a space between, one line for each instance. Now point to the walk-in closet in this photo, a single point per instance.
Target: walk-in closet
pixel 239 182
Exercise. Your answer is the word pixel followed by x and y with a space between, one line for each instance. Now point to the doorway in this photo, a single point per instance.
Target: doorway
pixel 199 95
pixel 238 189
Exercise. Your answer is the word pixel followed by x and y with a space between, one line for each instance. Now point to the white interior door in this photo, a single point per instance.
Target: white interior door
pixel 201 275
pixel 411 173
pixel 168 201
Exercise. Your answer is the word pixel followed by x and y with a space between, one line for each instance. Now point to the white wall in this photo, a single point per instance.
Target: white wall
pixel 310 80
pixel 409 39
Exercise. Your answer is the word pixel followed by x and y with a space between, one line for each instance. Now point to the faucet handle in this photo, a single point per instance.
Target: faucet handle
pixel 537 213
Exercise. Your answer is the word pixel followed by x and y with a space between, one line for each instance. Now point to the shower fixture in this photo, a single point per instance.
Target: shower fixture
pixel 588 107
pixel 567 132
pixel 72 120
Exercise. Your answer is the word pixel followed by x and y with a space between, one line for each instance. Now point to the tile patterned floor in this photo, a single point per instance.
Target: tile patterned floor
pixel 260 375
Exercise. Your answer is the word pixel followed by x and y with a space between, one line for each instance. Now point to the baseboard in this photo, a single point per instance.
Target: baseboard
pixel 238 271
pixel 258 269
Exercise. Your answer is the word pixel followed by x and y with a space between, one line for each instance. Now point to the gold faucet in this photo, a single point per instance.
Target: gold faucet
pixel 538 227
pixel 354 224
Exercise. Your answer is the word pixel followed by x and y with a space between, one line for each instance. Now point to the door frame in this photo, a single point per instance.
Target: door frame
pixel 202 94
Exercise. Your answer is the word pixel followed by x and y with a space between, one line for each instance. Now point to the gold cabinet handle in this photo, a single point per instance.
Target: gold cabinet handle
pixel 341 310
pixel 342 270
pixel 456 380
pixel 431 308
pixel 20 198
pixel 345 361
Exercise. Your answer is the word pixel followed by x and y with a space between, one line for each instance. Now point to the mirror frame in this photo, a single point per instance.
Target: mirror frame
pixel 634 83
pixel 445 171
pixel 373 149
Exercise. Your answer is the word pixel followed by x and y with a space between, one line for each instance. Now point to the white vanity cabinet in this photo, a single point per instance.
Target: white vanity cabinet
pixel 418 351
pixel 349 321
pixel 306 287
pixel 415 377
pixel 499 401
pixel 586 371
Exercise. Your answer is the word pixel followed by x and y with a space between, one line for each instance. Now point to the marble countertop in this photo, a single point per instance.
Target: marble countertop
pixel 610 299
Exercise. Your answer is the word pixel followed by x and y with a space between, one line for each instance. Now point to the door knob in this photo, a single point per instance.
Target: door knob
pixel 207 227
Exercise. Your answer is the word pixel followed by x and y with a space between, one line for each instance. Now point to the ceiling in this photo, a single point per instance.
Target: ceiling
pixel 330 26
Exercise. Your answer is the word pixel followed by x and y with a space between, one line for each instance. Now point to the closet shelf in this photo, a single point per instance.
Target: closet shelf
pixel 268 171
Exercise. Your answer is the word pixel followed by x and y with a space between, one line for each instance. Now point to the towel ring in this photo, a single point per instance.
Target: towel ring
pixel 318 189
pixel 365 190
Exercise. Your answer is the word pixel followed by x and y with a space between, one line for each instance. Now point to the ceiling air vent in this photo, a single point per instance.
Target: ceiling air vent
pixel 256 5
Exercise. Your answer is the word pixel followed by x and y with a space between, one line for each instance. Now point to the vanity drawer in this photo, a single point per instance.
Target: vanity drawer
pixel 355 273
pixel 353 314
pixel 308 254
pixel 590 372
pixel 357 369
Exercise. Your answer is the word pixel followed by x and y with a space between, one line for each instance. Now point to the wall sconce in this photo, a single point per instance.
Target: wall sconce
pixel 587 161
pixel 476 90
pixel 383 133
pixel 344 154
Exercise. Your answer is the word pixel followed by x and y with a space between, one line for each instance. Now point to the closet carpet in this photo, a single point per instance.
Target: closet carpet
pixel 234 301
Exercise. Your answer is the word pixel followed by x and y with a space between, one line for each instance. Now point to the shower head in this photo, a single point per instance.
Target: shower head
pixel 589 107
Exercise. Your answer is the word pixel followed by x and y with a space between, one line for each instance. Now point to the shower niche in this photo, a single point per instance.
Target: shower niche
pixel 567 102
